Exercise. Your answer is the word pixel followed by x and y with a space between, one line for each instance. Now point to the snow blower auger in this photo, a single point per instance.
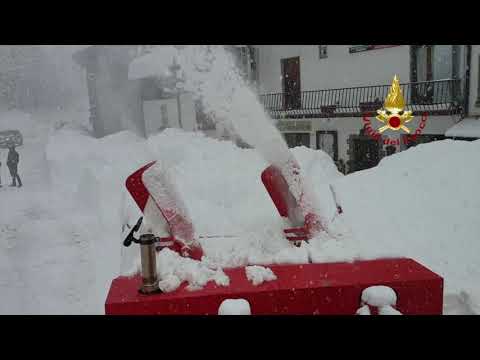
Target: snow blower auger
pixel 180 228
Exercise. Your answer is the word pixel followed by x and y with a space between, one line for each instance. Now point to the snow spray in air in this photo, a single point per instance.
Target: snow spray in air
pixel 210 74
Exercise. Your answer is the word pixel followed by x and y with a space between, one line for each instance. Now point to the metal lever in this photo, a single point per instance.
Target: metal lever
pixel 148 258
pixel 130 238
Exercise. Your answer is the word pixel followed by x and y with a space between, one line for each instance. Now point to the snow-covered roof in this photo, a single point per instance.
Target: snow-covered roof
pixel 469 128
pixel 155 63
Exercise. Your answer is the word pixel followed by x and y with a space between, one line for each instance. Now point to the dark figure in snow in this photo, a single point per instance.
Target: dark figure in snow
pixel 12 163
pixel 0 174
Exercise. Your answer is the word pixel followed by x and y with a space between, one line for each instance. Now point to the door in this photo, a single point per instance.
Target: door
pixel 434 62
pixel 291 83
pixel 328 142
pixel 422 71
pixel 159 114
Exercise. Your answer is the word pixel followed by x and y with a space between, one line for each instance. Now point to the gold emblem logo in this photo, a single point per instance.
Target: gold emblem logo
pixel 393 114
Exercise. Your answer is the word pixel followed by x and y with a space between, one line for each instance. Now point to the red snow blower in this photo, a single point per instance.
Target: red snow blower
pixel 301 289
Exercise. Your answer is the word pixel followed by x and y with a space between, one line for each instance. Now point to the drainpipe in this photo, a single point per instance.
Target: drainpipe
pixel 467 82
pixel 179 110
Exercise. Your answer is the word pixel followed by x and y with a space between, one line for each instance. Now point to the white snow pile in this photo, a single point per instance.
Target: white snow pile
pixel 364 310
pixel 388 310
pixel 173 270
pixel 379 296
pixel 259 274
pixel 220 187
pixel 75 198
pixel 421 203
pixel 234 307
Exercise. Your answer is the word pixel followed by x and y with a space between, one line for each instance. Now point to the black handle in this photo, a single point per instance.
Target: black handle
pixel 130 238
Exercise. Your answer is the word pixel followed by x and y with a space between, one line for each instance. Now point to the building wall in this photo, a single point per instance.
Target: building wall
pixel 156 119
pixel 435 125
pixel 474 109
pixel 340 69
pixel 344 70
pixel 115 101
pixel 119 97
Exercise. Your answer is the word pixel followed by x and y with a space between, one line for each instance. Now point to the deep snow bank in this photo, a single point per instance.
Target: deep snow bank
pixel 422 203
pixel 219 182
pixel 222 190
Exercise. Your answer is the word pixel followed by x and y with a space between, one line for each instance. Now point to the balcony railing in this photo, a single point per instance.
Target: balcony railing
pixel 438 97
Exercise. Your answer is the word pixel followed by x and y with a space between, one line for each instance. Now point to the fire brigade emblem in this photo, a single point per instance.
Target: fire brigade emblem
pixel 393 114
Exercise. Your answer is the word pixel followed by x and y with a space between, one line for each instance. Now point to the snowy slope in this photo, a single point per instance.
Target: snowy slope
pixel 426 216
pixel 421 203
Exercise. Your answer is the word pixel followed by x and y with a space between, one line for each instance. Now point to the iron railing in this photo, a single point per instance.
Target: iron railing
pixel 437 97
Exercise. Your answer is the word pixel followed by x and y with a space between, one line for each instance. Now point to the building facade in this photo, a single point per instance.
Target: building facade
pixel 143 103
pixel 115 102
pixel 319 94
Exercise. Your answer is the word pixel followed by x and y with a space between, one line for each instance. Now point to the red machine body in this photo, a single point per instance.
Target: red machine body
pixel 308 289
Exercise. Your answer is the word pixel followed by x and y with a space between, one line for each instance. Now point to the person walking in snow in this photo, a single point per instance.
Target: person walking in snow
pixel 13 159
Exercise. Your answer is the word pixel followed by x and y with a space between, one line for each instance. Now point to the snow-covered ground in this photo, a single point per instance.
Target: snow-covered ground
pixel 61 234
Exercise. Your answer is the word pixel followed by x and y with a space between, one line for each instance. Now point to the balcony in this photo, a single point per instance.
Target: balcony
pixel 438 97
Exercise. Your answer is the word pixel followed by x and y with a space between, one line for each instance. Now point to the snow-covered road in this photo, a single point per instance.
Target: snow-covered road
pixel 45 255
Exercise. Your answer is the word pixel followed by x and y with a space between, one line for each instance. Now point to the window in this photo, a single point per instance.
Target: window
pixel 422 139
pixel 254 58
pixel 477 103
pixel 322 51
pixel 297 139
pixel 361 48
pixel 428 63
pixel 245 58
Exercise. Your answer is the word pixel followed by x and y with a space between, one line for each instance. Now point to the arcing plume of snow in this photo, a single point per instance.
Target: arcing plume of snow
pixel 234 307
pixel 259 274
pixel 210 73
